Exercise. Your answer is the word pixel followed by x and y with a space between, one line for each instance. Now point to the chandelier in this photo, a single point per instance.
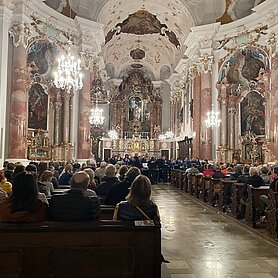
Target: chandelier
pixel 68 74
pixel 96 117
pixel 213 119
pixel 113 134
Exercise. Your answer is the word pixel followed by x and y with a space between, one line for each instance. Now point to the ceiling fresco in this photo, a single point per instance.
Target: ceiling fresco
pixel 153 30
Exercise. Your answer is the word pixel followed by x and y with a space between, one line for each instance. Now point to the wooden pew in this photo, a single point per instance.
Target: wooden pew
pixel 237 189
pixel 198 185
pixel 191 183
pixel 225 194
pixel 81 249
pixel 204 196
pixel 106 212
pixel 270 212
pixel 253 204
pixel 185 182
pixel 174 177
pixel 180 179
pixel 215 187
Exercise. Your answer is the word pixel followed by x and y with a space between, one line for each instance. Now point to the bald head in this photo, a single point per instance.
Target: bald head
pixel 80 180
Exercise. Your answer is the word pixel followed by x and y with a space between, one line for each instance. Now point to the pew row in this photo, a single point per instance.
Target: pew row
pixel 80 249
pixel 271 212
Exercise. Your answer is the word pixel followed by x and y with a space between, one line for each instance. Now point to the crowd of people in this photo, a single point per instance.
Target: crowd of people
pixel 27 194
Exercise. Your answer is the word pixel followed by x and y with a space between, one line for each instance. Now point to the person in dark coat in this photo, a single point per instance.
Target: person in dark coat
pixel 108 181
pixel 138 205
pixel 74 205
pixel 218 174
pixel 119 190
pixel 256 181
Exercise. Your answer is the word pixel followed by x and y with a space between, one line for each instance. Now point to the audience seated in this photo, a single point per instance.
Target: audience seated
pixel 19 168
pixel 4 184
pixel 108 180
pixel 192 169
pixel 100 171
pixel 66 175
pixel 54 179
pixel 273 186
pixel 73 205
pixel 9 171
pixel 245 175
pixel 218 174
pixel 122 171
pixel 45 179
pixel 24 204
pixel 264 173
pixel 138 205
pixel 92 183
pixel 237 172
pixel 119 190
pixel 3 195
pixel 208 171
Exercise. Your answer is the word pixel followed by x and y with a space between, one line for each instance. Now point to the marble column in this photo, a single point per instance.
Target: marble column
pixel 122 114
pixel 83 143
pixel 57 123
pixel 51 119
pixel 206 106
pixel 66 124
pixel 274 108
pixel 197 116
pixel 224 119
pixel 231 128
pixel 5 19
pixel 18 105
pixel 151 120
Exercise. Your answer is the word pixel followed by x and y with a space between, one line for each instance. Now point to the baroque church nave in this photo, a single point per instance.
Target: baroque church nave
pixel 150 73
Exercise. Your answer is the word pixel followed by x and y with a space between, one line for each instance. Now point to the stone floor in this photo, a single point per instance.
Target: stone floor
pixel 200 242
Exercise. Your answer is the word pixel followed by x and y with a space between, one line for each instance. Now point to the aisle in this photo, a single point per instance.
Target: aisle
pixel 202 243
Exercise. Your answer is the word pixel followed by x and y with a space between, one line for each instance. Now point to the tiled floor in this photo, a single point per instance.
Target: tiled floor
pixel 200 242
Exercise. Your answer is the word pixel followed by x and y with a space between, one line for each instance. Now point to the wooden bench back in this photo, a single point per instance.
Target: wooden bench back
pixel 81 249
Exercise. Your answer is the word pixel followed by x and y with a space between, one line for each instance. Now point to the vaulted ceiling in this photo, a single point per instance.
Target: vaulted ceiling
pixel 150 34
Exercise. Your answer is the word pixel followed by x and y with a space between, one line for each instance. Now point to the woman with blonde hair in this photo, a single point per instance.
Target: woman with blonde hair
pixel 45 182
pixel 138 205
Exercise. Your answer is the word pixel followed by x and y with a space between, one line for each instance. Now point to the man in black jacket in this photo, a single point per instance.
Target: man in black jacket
pixel 74 205
pixel 119 190
pixel 108 181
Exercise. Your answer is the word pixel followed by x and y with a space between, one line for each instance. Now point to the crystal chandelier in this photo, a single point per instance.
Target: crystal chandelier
pixel 113 134
pixel 68 74
pixel 96 117
pixel 213 119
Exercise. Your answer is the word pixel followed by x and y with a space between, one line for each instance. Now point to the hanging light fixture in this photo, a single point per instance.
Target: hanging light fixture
pixel 96 117
pixel 113 134
pixel 213 119
pixel 68 75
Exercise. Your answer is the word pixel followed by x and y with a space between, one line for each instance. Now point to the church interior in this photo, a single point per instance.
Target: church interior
pixel 148 75
pixel 182 80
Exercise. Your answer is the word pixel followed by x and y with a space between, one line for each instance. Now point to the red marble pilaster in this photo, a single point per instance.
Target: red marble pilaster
pixel 84 146
pixel 197 117
pixel 18 118
pixel 206 105
pixel 274 107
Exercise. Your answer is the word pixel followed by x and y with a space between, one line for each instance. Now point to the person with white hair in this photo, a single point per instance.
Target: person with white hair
pixel 74 205
pixel 100 171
